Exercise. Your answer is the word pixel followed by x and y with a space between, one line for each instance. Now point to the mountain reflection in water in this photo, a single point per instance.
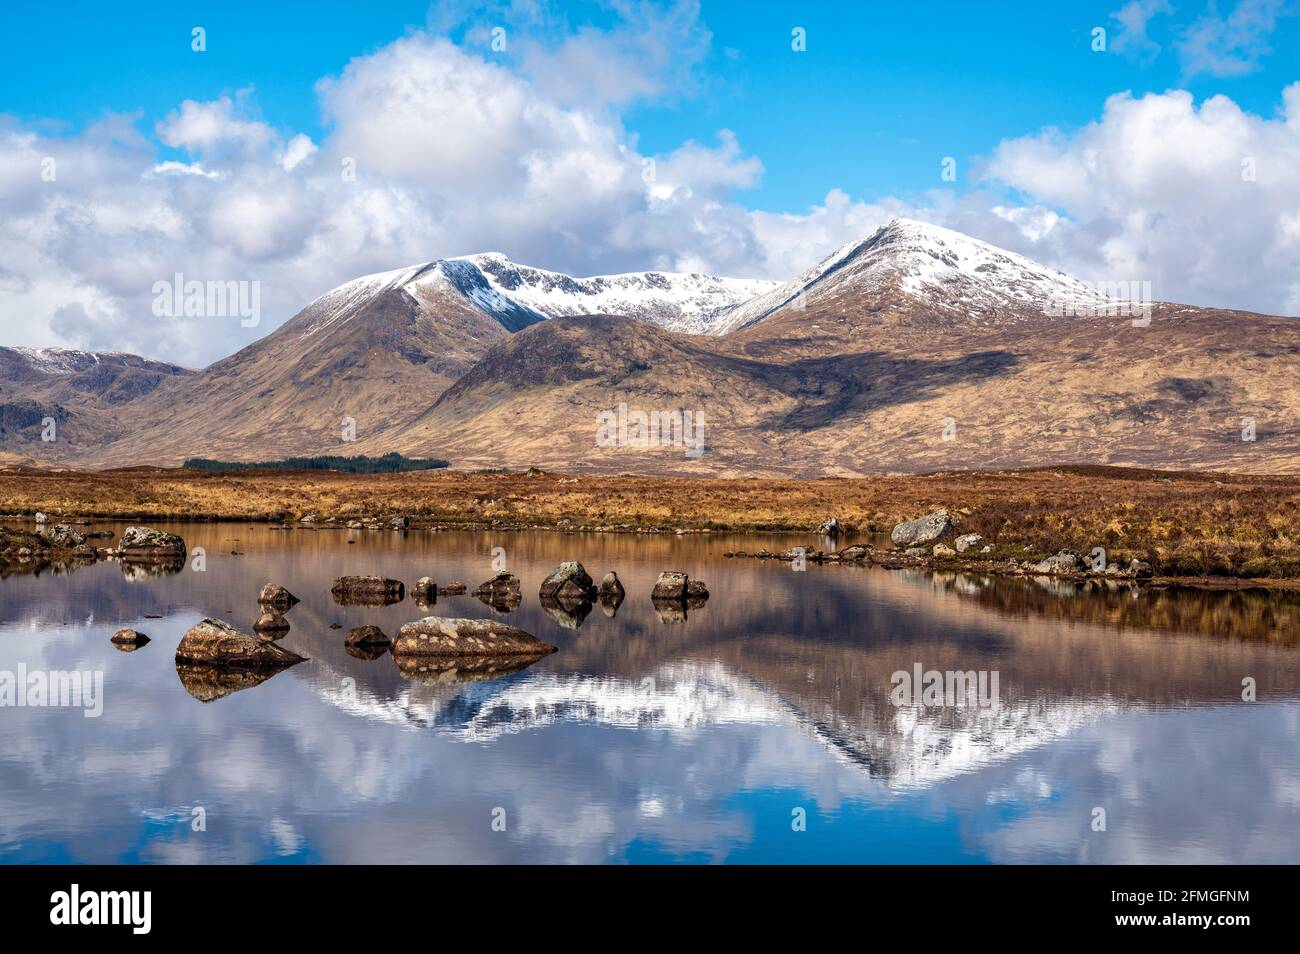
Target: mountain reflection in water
pixel 690 737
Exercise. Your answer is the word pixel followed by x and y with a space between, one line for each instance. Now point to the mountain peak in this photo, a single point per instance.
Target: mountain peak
pixel 908 265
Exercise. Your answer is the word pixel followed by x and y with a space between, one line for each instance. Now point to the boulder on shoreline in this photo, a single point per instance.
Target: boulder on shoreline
pixel 1066 561
pixel 367 591
pixel 273 594
pixel 922 530
pixel 214 642
pixel 443 636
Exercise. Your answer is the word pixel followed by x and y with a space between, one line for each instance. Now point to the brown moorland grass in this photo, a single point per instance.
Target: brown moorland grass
pixel 1185 524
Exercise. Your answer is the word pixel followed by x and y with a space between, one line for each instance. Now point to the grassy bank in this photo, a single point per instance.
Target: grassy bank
pixel 1183 524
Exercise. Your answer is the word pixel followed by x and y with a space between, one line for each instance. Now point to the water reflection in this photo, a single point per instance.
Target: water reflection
pixel 645 741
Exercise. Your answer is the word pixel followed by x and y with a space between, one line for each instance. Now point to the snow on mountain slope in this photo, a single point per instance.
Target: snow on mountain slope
pixel 517 296
pixel 914 261
pixel 677 301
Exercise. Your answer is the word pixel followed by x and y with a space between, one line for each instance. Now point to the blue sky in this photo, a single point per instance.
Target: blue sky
pixel 883 92
pixel 1116 165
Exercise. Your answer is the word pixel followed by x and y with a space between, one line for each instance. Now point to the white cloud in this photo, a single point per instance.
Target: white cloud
pixel 1160 189
pixel 458 150
pixel 1134 19
pixel 1231 45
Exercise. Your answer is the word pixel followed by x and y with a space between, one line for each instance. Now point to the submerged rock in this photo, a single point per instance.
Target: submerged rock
pixel 442 636
pixel 568 581
pixel 214 642
pixel 129 640
pixel 145 543
pixel 923 530
pixel 367 591
pixel 273 594
pixel 453 588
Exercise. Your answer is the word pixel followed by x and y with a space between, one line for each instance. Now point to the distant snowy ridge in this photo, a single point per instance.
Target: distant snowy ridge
pixel 520 295
pixel 945 269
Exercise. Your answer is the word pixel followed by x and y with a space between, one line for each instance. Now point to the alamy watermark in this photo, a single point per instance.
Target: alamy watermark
pixel 624 427
pixel 212 299
pixel 39 688
pixel 1112 300
pixel 950 689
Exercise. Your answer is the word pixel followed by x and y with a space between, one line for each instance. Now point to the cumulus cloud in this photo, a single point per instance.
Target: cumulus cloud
pixel 1199 200
pixel 434 148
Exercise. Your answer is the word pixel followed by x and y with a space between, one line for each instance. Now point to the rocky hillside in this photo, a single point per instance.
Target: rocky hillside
pixel 914 349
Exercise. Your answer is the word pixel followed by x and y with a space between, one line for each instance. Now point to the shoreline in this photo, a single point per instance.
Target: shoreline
pixel 1210 530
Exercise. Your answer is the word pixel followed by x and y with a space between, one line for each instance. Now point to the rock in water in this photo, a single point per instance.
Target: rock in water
pixel 271 624
pixel 366 642
pixel 129 640
pixel 854 554
pixel 214 642
pixel 144 543
pixel 502 592
pixel 923 530
pixel 611 589
pixel 675 585
pixel 367 590
pixel 671 585
pixel 62 536
pixel 440 636
pixel 425 589
pixel 454 588
pixel 568 581
pixel 273 594
pixel 40 517
pixel 830 527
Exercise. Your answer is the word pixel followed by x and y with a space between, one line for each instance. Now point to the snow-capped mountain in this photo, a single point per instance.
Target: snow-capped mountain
pixel 517 296
pixel 953 275
pixel 678 301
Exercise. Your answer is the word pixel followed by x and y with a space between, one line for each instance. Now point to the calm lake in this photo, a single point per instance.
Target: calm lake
pixel 760 728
